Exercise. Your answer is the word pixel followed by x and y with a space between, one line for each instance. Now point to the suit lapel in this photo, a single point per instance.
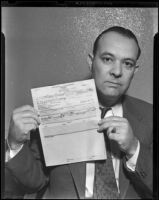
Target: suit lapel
pixel 78 171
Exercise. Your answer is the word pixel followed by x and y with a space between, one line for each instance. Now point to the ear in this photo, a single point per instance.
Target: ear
pixel 90 61
pixel 136 68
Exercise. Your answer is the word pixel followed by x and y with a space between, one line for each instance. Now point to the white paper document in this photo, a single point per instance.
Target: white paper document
pixel 69 115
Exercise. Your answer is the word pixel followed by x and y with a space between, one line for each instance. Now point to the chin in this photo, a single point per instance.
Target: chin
pixel 111 93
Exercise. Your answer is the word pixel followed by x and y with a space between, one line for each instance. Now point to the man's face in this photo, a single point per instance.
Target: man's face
pixel 114 64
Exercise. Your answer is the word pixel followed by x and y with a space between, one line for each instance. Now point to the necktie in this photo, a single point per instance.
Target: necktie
pixel 105 186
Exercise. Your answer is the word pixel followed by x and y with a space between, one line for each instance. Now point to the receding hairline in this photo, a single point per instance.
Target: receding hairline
pixel 119 30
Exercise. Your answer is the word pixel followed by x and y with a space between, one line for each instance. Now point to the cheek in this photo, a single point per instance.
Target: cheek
pixel 99 75
pixel 99 70
pixel 128 78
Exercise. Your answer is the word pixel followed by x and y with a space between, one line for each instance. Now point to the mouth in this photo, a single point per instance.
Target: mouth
pixel 112 83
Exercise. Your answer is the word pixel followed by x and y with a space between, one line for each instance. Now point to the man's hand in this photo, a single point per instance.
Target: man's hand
pixel 23 120
pixel 119 130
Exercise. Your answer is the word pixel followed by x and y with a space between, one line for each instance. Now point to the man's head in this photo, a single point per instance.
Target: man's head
pixel 113 63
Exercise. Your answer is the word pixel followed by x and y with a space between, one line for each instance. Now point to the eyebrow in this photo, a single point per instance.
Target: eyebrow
pixel 130 59
pixel 107 53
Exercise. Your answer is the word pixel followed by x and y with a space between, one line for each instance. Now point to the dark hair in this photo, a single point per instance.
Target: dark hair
pixel 118 29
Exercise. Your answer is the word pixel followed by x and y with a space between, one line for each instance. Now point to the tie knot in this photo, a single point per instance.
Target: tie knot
pixel 104 111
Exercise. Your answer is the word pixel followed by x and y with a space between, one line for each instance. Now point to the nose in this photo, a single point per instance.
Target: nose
pixel 116 69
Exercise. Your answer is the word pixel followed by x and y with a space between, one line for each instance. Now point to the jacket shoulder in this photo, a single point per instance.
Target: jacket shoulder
pixel 139 106
pixel 138 102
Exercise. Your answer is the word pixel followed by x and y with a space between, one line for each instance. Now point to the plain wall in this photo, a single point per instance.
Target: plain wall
pixel 49 45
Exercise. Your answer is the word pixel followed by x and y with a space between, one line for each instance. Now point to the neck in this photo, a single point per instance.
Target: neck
pixel 108 101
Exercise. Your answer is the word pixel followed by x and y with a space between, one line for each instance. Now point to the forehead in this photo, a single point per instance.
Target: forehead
pixel 117 44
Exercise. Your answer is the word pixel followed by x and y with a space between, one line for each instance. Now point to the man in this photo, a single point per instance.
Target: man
pixel 127 127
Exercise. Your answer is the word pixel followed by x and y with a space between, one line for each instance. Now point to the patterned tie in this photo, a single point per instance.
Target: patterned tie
pixel 105 186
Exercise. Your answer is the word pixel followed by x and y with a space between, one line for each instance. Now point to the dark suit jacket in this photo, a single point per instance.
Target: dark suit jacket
pixel 68 181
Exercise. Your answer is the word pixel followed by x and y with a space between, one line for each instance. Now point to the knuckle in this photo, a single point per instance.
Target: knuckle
pixel 14 117
pixel 28 107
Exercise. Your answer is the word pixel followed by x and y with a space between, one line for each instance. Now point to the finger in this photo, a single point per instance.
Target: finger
pixel 25 108
pixel 112 130
pixel 28 128
pixel 30 121
pixel 113 135
pixel 108 124
pixel 112 118
pixel 28 114
pixel 32 115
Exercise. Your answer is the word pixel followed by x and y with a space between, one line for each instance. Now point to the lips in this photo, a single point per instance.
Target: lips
pixel 113 83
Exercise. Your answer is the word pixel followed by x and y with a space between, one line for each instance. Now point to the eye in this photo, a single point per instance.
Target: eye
pixel 107 59
pixel 128 64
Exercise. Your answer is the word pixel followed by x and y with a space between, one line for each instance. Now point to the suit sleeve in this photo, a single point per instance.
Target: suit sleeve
pixel 142 177
pixel 140 116
pixel 12 189
pixel 28 168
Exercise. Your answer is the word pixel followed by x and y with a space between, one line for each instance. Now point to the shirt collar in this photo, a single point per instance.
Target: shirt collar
pixel 116 109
